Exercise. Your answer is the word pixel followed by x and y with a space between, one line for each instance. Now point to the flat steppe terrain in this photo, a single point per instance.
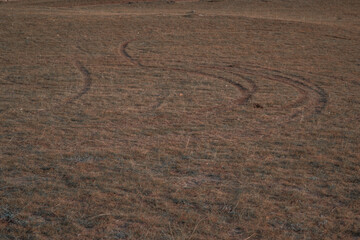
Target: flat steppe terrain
pixel 180 119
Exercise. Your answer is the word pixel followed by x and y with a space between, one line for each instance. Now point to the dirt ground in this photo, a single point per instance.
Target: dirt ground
pixel 210 119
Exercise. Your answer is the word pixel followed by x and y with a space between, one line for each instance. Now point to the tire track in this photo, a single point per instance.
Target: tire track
pixel 298 102
pixel 322 96
pixel 310 95
pixel 128 57
pixel 87 82
pixel 301 84
pixel 86 87
pixel 246 93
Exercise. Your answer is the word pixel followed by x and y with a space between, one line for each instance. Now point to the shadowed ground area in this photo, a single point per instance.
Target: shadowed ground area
pixel 179 119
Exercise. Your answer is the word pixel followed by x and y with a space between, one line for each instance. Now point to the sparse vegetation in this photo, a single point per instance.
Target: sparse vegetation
pixel 179 120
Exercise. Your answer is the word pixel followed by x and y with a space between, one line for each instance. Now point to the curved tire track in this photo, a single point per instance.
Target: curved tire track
pixel 87 82
pixel 322 96
pixel 246 93
pixel 86 87
pixel 311 95
pixel 302 85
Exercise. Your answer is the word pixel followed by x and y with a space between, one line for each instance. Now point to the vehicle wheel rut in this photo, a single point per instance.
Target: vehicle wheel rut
pixel 87 82
pixel 245 93
pixel 311 100
pixel 86 75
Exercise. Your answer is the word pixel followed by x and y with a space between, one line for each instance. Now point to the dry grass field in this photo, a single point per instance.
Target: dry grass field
pixel 210 119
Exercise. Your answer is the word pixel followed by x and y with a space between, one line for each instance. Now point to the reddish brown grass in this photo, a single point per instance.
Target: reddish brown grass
pixel 179 120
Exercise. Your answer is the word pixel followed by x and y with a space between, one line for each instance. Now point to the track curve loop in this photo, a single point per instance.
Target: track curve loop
pixel 310 100
pixel 245 92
